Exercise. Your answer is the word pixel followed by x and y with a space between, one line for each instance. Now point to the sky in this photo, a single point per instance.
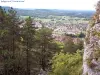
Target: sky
pixel 52 4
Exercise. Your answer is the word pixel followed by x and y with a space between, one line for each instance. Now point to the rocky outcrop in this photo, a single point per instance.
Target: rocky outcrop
pixel 91 58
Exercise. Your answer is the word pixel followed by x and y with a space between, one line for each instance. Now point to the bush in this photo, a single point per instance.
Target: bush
pixel 67 64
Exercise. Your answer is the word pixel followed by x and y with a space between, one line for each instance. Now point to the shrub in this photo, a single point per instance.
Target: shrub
pixel 67 64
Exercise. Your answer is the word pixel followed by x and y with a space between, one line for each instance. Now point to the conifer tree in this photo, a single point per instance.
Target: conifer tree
pixel 46 47
pixel 28 32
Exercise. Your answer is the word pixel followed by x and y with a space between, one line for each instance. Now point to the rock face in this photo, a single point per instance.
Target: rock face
pixel 91 58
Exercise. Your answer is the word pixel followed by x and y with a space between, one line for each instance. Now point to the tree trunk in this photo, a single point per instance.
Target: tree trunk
pixel 27 59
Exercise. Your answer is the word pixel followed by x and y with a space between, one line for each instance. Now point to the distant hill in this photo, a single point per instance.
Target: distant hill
pixel 43 13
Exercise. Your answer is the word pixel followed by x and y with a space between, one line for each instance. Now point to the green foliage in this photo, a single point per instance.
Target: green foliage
pixel 60 44
pixel 96 33
pixel 92 23
pixel 89 62
pixel 79 45
pixel 81 35
pixel 67 64
pixel 9 38
pixel 87 40
pixel 71 47
pixel 45 46
pixel 24 50
pixel 28 33
pixel 97 53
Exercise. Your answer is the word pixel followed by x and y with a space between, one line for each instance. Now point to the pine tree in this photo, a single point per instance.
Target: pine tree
pixel 46 47
pixel 28 32
pixel 12 39
pixel 3 34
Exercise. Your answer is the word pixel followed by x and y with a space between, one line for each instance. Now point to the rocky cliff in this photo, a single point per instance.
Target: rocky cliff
pixel 91 58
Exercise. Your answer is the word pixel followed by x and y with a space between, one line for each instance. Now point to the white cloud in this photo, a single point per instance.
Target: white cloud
pixel 54 4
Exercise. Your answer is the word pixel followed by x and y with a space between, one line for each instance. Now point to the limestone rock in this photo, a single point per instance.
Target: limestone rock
pixel 91 57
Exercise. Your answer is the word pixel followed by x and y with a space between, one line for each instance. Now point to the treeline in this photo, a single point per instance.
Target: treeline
pixel 44 13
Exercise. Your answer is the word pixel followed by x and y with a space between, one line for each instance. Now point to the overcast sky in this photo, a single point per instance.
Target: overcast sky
pixel 53 4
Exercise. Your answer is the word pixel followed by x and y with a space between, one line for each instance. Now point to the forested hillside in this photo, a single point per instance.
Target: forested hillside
pixel 43 13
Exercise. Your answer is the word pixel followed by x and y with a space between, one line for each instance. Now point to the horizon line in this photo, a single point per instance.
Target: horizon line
pixel 49 8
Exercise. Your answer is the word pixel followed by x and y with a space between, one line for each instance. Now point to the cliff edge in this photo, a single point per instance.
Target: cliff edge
pixel 91 57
